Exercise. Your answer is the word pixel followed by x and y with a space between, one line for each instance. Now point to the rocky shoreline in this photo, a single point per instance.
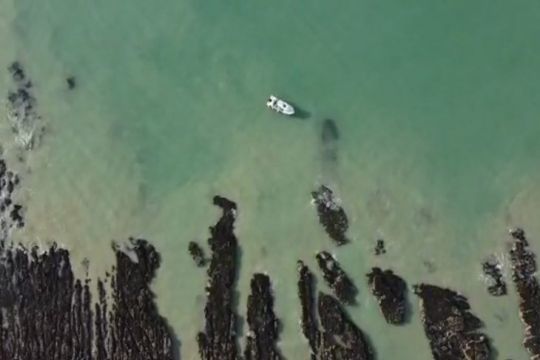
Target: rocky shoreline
pixel 524 276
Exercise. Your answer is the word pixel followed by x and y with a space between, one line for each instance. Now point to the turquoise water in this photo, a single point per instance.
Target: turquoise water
pixel 437 104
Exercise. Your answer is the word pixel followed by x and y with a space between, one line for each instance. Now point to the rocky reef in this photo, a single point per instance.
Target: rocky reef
pixel 308 320
pixel 197 254
pixel 496 283
pixel 47 313
pixel 341 339
pixel 452 330
pixel 336 278
pixel 390 291
pixel 261 341
pixel 528 289
pixel 137 331
pixel 331 215
pixel 26 123
pixel 218 340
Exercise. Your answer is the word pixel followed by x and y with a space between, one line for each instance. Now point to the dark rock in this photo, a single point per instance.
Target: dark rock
pixel 331 215
pixel 390 291
pixel 379 247
pixel 306 294
pixel 197 253
pixel 492 270
pixel 46 312
pixel 16 71
pixel 261 341
pixel 528 289
pixel 336 278
pixel 218 340
pixel 341 338
pixel 16 216
pixel 71 82
pixel 452 330
pixel 137 331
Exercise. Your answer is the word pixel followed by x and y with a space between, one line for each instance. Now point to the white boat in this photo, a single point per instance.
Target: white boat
pixel 280 106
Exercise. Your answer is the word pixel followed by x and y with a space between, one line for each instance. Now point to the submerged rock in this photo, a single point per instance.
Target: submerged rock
pixel 218 340
pixel 329 138
pixel 336 278
pixel 452 330
pixel 261 341
pixel 496 283
pixel 197 253
pixel 71 82
pixel 331 215
pixel 528 289
pixel 390 291
pixel 341 338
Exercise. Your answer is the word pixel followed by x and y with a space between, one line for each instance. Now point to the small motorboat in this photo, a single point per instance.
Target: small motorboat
pixel 280 106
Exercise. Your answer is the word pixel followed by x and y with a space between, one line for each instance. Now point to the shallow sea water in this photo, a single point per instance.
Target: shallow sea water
pixel 437 106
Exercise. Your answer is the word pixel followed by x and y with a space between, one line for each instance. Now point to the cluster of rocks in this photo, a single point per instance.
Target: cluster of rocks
pixel 10 213
pixel 528 289
pixel 218 340
pixel 379 247
pixel 390 291
pixel 261 341
pixel 336 278
pixel 339 337
pixel 197 254
pixel 331 215
pixel 493 273
pixel 452 330
pixel 25 121
pixel 47 313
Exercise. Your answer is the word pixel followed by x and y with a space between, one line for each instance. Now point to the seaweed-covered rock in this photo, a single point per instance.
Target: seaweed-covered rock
pixel 379 247
pixel 496 283
pixel 341 338
pixel 218 340
pixel 390 291
pixel 263 324
pixel 306 294
pixel 336 278
pixel 197 253
pixel 452 330
pixel 331 215
pixel 46 312
pixel 137 331
pixel 528 289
